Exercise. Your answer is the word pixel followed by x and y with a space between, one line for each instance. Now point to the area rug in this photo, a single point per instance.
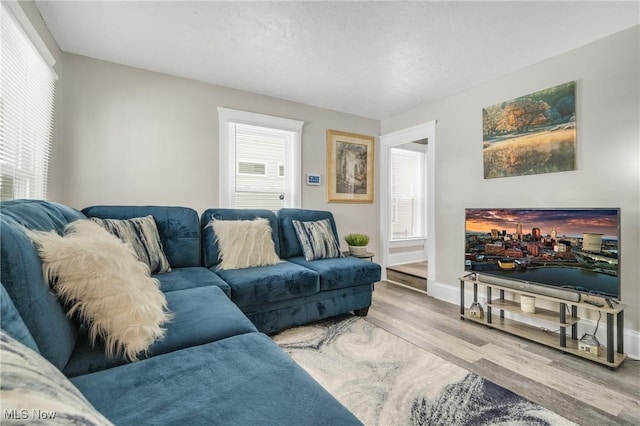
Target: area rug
pixel 386 381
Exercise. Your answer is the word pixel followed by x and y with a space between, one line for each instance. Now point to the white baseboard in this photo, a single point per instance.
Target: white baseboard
pixel 451 293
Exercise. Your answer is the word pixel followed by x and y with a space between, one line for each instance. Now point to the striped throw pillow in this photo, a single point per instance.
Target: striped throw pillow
pixel 317 239
pixel 142 234
pixel 33 390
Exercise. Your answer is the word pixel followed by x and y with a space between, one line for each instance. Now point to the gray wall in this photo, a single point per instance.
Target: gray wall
pixel 129 136
pixel 607 174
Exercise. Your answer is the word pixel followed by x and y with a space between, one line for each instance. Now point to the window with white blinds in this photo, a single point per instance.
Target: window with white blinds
pixel 260 160
pixel 259 153
pixel 407 188
pixel 27 95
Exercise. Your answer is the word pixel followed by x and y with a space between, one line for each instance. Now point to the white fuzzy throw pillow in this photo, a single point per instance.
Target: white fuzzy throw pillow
pixel 244 243
pixel 100 277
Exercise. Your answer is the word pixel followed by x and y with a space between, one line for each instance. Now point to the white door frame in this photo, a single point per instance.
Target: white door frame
pixel 387 141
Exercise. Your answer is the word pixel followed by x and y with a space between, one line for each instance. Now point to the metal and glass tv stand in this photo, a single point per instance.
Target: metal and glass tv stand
pixel 565 317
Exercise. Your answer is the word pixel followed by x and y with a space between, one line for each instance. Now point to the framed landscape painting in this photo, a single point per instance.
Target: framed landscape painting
pixel 532 134
pixel 349 167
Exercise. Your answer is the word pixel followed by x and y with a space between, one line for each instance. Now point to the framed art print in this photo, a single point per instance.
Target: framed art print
pixel 349 167
pixel 532 134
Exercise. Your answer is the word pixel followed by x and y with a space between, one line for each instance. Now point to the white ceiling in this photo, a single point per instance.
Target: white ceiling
pixel 374 59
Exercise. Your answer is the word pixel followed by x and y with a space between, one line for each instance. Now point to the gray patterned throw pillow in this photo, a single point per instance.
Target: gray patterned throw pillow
pixel 33 391
pixel 142 234
pixel 317 239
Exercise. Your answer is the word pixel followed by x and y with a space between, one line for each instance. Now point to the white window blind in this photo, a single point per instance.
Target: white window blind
pixel 258 182
pixel 252 168
pixel 259 160
pixel 27 96
pixel 406 193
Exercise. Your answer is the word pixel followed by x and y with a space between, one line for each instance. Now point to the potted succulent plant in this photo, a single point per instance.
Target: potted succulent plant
pixel 357 243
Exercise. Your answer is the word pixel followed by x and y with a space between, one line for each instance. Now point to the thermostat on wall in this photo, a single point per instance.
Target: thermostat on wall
pixel 313 179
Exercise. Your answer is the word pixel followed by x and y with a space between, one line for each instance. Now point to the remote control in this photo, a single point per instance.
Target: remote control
pixel 594 303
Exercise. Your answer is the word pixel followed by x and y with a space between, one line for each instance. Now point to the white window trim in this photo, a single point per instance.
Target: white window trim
pixel 31 32
pixel 227 116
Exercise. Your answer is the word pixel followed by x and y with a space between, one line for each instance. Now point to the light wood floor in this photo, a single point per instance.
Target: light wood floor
pixel 577 389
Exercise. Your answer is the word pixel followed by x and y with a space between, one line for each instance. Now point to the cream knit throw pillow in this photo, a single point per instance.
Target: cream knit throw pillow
pixel 100 277
pixel 244 243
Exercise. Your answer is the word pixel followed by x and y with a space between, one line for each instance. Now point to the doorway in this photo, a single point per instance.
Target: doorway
pixel 407 198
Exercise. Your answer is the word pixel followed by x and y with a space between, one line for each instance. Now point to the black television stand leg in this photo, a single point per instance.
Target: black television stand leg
pixel 563 320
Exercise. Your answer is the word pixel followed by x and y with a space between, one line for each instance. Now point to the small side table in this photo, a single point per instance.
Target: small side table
pixel 367 255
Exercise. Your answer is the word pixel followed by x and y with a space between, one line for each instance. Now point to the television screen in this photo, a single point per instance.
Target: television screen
pixel 573 249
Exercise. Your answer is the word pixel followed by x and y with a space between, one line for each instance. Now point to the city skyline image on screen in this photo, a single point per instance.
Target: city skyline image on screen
pixel 574 249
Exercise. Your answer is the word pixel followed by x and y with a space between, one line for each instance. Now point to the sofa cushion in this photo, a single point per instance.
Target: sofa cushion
pixel 281 315
pixel 244 243
pixel 317 239
pixel 201 315
pixel 241 380
pixel 179 229
pixel 11 321
pixel 210 246
pixel 21 274
pixel 343 272
pixel 102 281
pixel 191 277
pixel 35 392
pixel 289 242
pixel 142 234
pixel 266 284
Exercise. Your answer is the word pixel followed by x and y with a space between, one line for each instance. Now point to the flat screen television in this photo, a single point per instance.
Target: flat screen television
pixel 568 249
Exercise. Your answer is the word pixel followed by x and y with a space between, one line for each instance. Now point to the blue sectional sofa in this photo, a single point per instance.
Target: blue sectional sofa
pixel 215 364
pixel 294 291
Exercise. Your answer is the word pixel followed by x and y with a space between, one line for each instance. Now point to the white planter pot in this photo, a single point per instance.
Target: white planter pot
pixel 358 250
